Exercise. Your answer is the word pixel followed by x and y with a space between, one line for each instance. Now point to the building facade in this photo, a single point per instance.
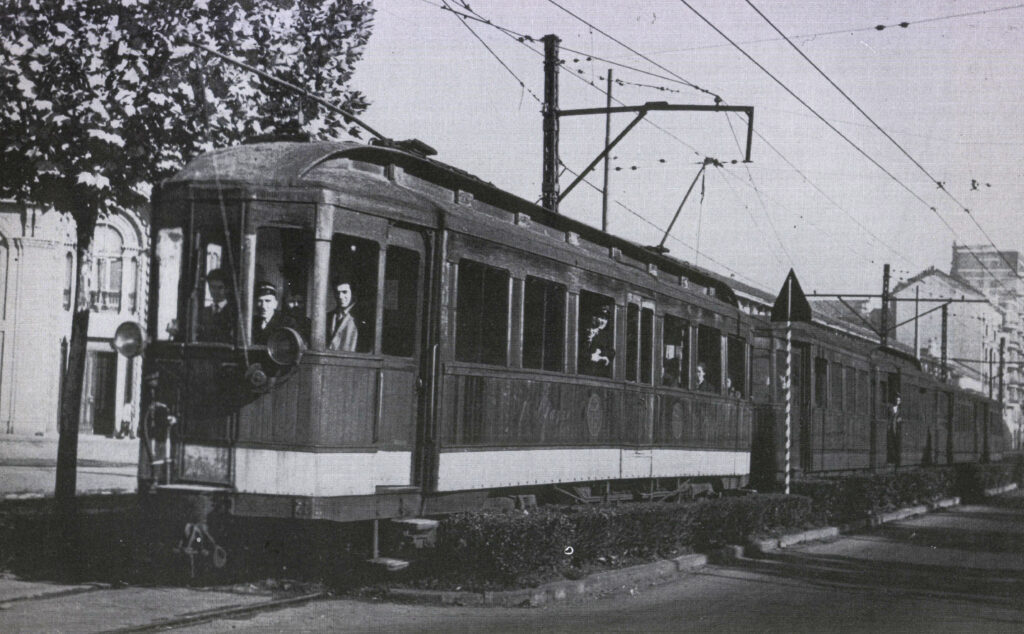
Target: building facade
pixel 37 291
pixel 1000 276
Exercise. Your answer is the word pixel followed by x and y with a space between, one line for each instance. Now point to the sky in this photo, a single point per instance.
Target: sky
pixel 947 87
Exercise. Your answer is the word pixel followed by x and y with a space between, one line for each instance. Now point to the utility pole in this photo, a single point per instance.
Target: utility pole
pixel 549 191
pixel 1002 365
pixel 607 141
pixel 883 330
pixel 945 342
pixel 917 315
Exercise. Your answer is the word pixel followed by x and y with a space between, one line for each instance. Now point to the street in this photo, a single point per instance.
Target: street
pixel 952 571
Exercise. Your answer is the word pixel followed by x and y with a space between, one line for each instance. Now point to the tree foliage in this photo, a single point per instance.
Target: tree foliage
pixel 100 99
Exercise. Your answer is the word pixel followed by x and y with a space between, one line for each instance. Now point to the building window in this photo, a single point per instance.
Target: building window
pixel 481 334
pixel 543 325
pixel 107 250
pixel 676 353
pixel 133 285
pixel 69 279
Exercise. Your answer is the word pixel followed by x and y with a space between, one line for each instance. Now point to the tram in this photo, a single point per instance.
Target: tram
pixel 498 348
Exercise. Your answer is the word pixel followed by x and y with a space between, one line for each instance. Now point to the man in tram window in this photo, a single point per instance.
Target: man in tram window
pixel 894 431
pixel 217 321
pixel 596 349
pixel 342 323
pixel 266 317
pixel 703 385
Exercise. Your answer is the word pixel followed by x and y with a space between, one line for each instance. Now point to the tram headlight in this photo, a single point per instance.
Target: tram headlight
pixel 129 339
pixel 285 347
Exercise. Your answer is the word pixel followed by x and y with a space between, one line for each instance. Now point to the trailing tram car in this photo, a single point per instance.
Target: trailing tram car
pixel 353 332
pixel 857 406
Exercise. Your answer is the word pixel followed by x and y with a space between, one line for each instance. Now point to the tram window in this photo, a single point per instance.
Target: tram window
pixel 735 374
pixel 760 369
pixel 351 319
pixel 169 243
pixel 401 274
pixel 596 334
pixel 709 359
pixel 820 382
pixel 283 260
pixel 216 313
pixel 863 392
pixel 675 362
pixel 836 380
pixel 632 341
pixel 482 319
pixel 850 390
pixel 543 325
pixel 647 345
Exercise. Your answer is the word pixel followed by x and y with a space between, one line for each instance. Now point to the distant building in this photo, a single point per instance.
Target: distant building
pixel 998 274
pixel 972 328
pixel 37 289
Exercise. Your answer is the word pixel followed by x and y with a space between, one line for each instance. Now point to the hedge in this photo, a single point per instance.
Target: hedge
pixel 497 550
pixel 488 550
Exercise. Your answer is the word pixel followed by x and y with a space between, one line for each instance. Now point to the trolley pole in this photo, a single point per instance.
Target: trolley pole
pixel 549 187
pixel 607 141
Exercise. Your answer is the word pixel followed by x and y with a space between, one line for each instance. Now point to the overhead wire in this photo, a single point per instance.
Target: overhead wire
pixel 717 97
pixel 829 124
pixel 878 127
pixel 877 27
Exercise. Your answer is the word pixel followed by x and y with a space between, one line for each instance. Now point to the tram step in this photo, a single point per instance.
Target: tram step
pixel 420 532
pixel 389 564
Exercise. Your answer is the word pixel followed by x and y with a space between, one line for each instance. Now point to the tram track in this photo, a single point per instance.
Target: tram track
pixel 231 611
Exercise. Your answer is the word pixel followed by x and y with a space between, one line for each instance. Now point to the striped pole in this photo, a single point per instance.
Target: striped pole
pixel 789 374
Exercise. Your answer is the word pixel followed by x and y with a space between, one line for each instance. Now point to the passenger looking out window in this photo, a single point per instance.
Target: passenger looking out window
pixel 676 357
pixel 351 318
pixel 736 367
pixel 217 320
pixel 702 384
pixel 342 326
pixel 597 335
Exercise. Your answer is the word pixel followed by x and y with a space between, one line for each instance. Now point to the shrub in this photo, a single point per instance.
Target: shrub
pixel 495 549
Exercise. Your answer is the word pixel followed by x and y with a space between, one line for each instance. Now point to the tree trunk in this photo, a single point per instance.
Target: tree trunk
pixel 71 399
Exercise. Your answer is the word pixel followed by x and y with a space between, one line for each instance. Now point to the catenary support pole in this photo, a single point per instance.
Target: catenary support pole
pixel 883 329
pixel 1002 365
pixel 945 342
pixel 917 315
pixel 549 182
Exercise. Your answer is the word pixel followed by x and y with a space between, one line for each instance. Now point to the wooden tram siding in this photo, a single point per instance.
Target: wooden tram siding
pixel 357 198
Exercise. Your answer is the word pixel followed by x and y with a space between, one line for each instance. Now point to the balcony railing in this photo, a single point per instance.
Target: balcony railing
pixel 105 301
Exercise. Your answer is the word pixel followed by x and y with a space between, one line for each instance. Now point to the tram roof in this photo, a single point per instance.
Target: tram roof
pixel 286 164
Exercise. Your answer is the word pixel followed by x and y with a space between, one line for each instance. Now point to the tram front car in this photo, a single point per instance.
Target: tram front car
pixel 239 368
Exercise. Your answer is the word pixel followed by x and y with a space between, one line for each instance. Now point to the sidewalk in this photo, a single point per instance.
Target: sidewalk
pixel 28 465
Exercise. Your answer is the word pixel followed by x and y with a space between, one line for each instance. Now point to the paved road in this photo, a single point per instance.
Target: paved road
pixel 955 571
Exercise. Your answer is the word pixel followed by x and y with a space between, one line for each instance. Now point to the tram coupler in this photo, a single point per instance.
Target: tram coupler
pixel 198 542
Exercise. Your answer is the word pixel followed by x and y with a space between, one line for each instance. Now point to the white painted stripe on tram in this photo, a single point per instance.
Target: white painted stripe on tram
pixel 274 472
pixel 502 468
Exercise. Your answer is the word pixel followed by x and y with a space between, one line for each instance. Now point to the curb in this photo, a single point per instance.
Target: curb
pixel 1000 490
pixel 558 590
pixel 652 572
pixel 760 546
